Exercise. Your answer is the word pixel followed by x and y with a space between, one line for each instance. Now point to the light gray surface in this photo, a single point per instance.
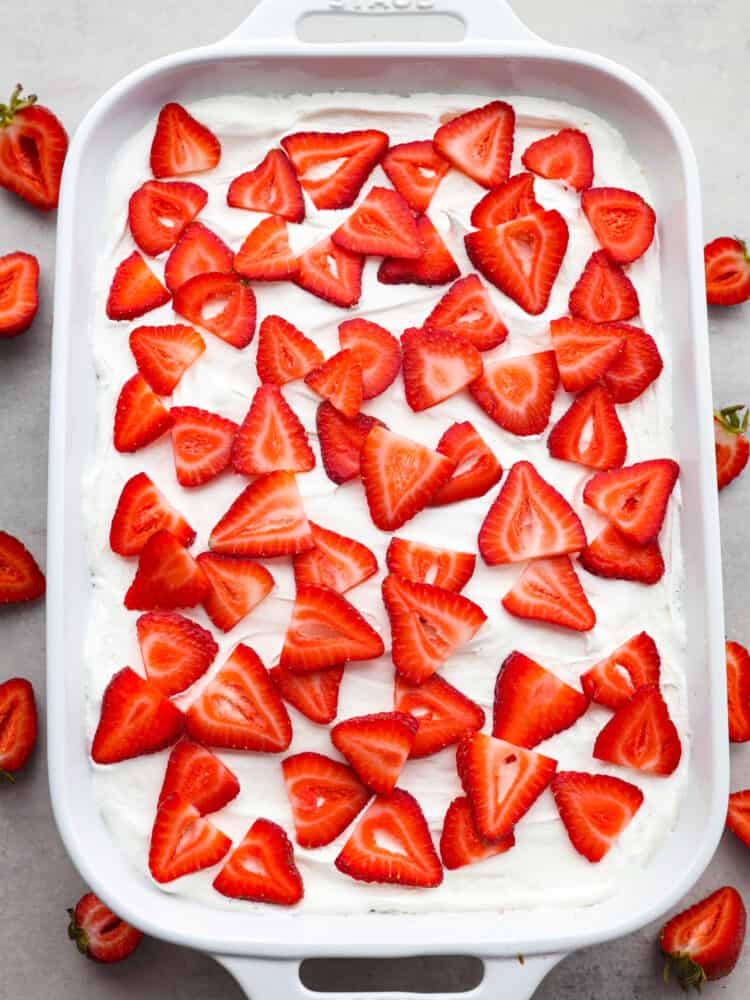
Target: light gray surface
pixel 696 53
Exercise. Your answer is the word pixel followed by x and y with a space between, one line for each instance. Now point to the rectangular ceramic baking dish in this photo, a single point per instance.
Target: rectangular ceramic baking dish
pixel 497 56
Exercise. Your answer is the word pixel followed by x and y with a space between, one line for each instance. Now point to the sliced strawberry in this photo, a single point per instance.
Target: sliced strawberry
pixel 595 809
pixel 512 199
pixel 271 437
pixel 517 393
pixel 548 590
pixel 135 289
pixel 266 254
pixel 592 418
pixel 738 815
pixel 336 561
pixel 326 630
pixel 727 267
pixel 141 511
pixel 636 367
pixel 584 351
pixel 199 298
pixel 437 365
pixel 731 444
pixel 428 625
pixel 400 477
pixel 19 294
pixel 164 353
pixel 478 469
pixel 635 498
pixel 377 352
pixel 183 841
pixel 377 747
pixel 392 843
pixel 565 156
pixel 136 718
pixel 237 586
pixel 479 143
pixel 341 441
pixel 339 380
pixel 182 145
pixel 159 211
pixel 426 564
pixel 202 444
pixel 615 556
pixel 603 293
pixel 381 226
pixel 199 777
pixel 271 187
pixel 360 152
pixel 240 709
pixel 20 576
pixel 33 144
pixel 622 222
pixel 641 735
pixel 314 694
pixel 332 273
pixel 325 797
pixel 267 519
pixel 284 352
pixel 18 725
pixel 99 934
pixel 738 692
pixel 167 577
pixel 175 650
pixel 262 868
pixel 614 681
pixel 502 782
pixel 460 842
pixel 529 519
pixel 415 169
pixel 198 251
pixel 467 311
pixel 435 266
pixel 140 416
pixel 444 714
pixel 705 941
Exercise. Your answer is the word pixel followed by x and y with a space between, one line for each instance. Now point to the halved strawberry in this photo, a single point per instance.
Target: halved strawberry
pixel 420 563
pixel 167 576
pixel 202 444
pixel 377 352
pixel 99 934
pixel 415 169
pixel 590 432
pixel 164 353
pixel 437 365
pixel 199 298
pixel 727 267
pixel 381 226
pixel 467 311
pixel 339 380
pixel 271 187
pixel 266 254
pixel 738 815
pixel 237 586
pixel 325 630
pixel 271 437
pixel 199 777
pixel 377 747
pixel 548 590
pixel 19 294
pixel 240 709
pixel 435 266
pixel 584 351
pixel 262 868
pixel 18 725
pixel 522 257
pixel 325 797
pixel 159 211
pixel 314 694
pixel 140 416
pixel 444 714
pixel 336 561
pixel 479 143
pixel 400 477
pixel 502 781
pixel 183 841
pixel 641 735
pixel 460 842
pixel 181 144
pixel 529 519
pixel 267 519
pixel 359 151
pixel 603 293
pixel 136 718
pixel 738 692
pixel 565 156
pixel 284 352
pixel 332 273
pixel 135 289
pixel 636 367
pixel 705 941
pixel 198 251
pixel 614 681
pixel 20 576
pixel 622 222
pixel 512 199
pixel 341 441
pixel 731 444
pixel 478 469
pixel 141 511
pixel 532 704
pixel 175 651
pixel 595 809
pixel 33 144
pixel 428 625
pixel 392 843
pixel 635 498
pixel 615 556
pixel 517 393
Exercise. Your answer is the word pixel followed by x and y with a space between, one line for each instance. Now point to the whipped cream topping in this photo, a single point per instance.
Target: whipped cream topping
pixel 543 868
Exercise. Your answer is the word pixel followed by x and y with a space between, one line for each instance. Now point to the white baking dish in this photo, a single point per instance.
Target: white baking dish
pixel 498 55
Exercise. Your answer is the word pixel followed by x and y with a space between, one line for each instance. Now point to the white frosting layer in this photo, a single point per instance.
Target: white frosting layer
pixel 543 867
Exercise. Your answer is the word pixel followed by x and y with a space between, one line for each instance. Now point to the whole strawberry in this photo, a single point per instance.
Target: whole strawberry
pixel 704 942
pixel 33 144
pixel 98 933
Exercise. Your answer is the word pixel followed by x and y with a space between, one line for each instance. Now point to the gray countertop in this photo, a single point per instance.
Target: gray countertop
pixel 696 53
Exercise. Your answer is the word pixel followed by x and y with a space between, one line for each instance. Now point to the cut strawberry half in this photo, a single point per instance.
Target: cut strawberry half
pixel 603 293
pixel 584 351
pixel 590 432
pixel 311 151
pixel 262 868
pixel 636 367
pixel 271 437
pixel 237 586
pixel 460 841
pixel 140 416
pixel 267 519
pixel 479 143
pixel 135 289
pixel 199 298
pixel 738 692
pixel 517 393
pixel 141 511
pixel 326 630
pixel 415 169
pixel 731 444
pixel 341 441
pixel 614 681
pixel 33 144
pixel 635 498
pixel 336 561
pixel 19 294
pixel 175 651
pixel 595 809
pixel 437 365
pixel 136 718
pixel 622 222
pixel 18 725
pixel 428 625
pixel 198 251
pixel 615 556
pixel 421 563
pixel 705 941
pixel 167 577
pixel 99 934
pixel 266 254
pixel 477 468
pixel 376 351
pixel 565 156
pixel 20 576
pixel 548 590
pixel 314 694
pixel 284 352
pixel 435 266
pixel 392 843
pixel 738 815
pixel 331 273
pixel 727 267
pixel 377 747
pixel 270 187
pixel 381 226
pixel 400 477
pixel 512 199
pixel 641 735
pixel 529 519
pixel 159 211
pixel 183 841
pixel 182 145
pixel 164 353
pixel 325 796
pixel 240 708
pixel 199 777
pixel 467 311
pixel 202 444
pixel 339 380
pixel 444 714
pixel 502 782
